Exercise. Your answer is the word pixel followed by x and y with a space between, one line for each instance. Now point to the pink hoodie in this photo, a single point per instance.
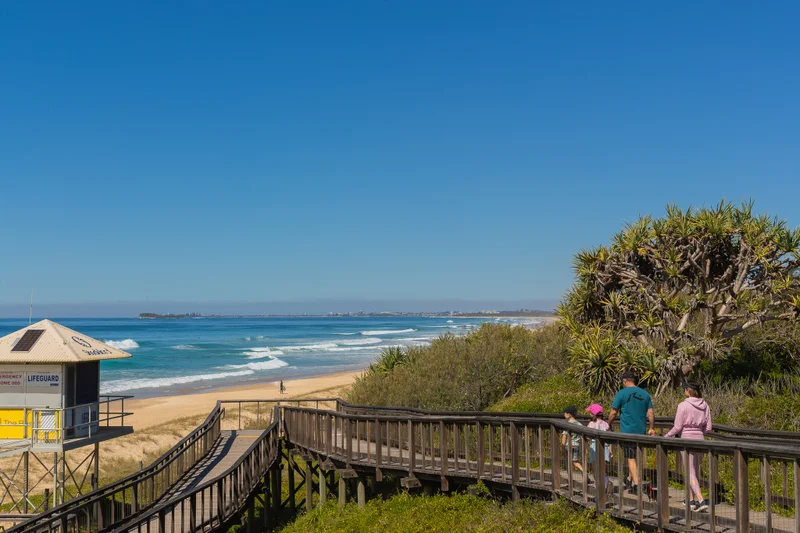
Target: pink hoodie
pixel 692 420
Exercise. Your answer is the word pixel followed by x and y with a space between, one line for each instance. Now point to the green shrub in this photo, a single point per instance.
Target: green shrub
pixel 410 514
pixel 463 373
pixel 548 396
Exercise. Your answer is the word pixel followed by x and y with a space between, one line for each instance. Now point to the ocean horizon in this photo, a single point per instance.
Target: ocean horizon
pixel 178 356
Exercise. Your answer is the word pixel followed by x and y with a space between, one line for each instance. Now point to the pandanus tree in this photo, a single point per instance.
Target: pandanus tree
pixel 671 292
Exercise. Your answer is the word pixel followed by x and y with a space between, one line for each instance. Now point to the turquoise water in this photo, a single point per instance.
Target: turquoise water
pixel 172 356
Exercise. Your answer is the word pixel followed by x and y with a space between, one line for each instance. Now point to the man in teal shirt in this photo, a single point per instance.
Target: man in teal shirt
pixel 637 411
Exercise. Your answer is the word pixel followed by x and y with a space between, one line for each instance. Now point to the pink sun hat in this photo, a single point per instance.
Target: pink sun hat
pixel 595 409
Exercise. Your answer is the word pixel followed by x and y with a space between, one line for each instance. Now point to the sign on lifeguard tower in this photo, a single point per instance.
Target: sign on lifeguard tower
pixel 50 386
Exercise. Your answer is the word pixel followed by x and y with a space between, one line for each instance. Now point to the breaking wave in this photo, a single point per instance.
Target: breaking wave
pixel 261 353
pixel 360 342
pixel 184 347
pixel 127 344
pixel 387 331
pixel 121 385
pixel 272 364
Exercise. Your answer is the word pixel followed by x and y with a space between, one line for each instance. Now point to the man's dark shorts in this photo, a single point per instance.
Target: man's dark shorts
pixel 628 451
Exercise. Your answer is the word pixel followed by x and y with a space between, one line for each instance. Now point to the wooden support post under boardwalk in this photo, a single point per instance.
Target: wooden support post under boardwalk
pixel 251 515
pixel 362 493
pixel 310 486
pixel 276 488
pixel 323 487
pixel 342 491
pixel 292 489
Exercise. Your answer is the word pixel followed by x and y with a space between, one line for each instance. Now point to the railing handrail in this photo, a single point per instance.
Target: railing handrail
pixel 724 428
pixel 492 418
pixel 163 461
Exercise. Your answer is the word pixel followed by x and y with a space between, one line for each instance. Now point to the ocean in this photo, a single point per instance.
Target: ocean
pixel 172 356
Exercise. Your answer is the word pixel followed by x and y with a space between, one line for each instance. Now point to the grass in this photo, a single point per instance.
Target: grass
pixel 459 512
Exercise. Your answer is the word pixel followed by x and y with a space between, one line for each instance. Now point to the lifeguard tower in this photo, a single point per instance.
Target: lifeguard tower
pixel 50 403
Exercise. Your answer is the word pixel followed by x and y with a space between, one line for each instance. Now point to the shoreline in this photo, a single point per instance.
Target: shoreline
pixel 155 410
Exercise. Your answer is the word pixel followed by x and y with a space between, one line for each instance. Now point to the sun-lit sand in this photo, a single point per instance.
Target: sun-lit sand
pixel 149 412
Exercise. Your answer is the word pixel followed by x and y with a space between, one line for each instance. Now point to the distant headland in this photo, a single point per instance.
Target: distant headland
pixel 526 313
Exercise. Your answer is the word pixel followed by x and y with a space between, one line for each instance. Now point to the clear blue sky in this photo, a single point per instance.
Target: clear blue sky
pixel 209 151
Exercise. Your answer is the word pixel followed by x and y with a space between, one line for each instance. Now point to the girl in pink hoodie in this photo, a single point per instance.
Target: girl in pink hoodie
pixel 693 421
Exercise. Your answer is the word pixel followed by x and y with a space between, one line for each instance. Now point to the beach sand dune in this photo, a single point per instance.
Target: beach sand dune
pixel 156 411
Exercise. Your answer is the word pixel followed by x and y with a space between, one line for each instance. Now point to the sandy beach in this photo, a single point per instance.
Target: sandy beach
pixel 148 412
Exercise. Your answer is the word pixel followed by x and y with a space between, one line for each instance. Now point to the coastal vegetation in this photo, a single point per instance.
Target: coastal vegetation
pixel 458 512
pixel 670 294
pixel 468 373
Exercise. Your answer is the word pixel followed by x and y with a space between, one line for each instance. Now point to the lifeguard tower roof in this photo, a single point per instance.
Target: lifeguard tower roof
pixel 49 342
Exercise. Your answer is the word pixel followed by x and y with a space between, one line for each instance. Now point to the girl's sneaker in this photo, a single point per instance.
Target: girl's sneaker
pixel 700 506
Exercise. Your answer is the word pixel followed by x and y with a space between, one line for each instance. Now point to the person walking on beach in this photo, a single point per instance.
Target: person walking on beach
pixel 570 413
pixel 636 407
pixel 283 389
pixel 598 422
pixel 693 421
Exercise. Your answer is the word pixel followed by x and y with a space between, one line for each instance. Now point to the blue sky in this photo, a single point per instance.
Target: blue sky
pixel 272 151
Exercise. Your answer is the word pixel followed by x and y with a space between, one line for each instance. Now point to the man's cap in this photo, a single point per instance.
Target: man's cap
pixel 629 374
pixel 595 409
pixel 571 410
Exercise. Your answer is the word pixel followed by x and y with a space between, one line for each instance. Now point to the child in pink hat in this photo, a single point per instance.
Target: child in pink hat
pixel 598 422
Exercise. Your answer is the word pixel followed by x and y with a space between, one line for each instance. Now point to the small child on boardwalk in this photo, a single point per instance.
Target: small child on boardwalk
pixel 598 422
pixel 570 413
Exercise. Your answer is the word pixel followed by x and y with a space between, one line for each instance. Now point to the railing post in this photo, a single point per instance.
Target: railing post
pixel 412 455
pixel 378 443
pixel 481 450
pixel 742 491
pixel 348 444
pixel 443 448
pixel 193 513
pixel 555 461
pixel 797 495
pixel 662 483
pixel 514 462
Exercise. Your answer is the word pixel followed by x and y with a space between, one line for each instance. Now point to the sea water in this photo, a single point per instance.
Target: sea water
pixel 182 355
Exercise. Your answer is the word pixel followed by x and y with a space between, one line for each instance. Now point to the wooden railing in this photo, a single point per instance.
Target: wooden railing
pixel 749 486
pixel 215 504
pixel 114 503
pixel 750 478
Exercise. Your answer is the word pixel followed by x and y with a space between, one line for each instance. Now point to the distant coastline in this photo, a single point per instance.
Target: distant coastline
pixel 520 313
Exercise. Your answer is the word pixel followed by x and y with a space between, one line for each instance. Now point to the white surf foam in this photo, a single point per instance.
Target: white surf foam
pixel 360 342
pixel 449 321
pixel 322 346
pixel 126 344
pixel 121 385
pixel 386 332
pixel 184 347
pixel 272 364
pixel 350 333
pixel 257 353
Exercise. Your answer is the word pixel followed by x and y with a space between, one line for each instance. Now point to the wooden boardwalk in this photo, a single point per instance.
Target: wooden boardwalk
pixel 228 449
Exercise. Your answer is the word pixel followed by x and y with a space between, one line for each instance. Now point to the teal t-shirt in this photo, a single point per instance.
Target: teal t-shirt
pixel 633 403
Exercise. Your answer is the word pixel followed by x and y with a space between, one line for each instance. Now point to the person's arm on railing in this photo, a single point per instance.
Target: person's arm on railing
pixel 651 419
pixel 611 416
pixel 677 426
